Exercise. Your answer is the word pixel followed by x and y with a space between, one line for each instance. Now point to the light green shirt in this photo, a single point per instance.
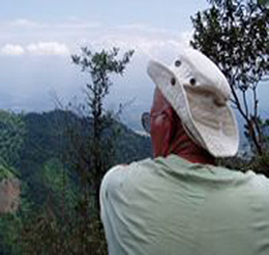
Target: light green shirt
pixel 170 206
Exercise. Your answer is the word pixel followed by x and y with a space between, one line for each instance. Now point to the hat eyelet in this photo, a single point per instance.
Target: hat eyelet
pixel 192 81
pixel 177 63
pixel 173 81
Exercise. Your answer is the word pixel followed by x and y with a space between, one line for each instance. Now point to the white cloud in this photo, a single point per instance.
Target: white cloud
pixel 47 48
pixel 23 23
pixel 72 33
pixel 12 49
pixel 160 44
pixel 40 48
pixel 141 27
pixel 25 26
pixel 186 37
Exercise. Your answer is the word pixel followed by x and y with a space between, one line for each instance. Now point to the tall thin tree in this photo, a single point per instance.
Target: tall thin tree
pixel 234 35
pixel 100 66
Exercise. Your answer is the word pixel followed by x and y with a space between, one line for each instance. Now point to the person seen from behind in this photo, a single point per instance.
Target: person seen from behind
pixel 180 202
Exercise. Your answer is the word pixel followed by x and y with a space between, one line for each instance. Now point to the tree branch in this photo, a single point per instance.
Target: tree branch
pixel 245 102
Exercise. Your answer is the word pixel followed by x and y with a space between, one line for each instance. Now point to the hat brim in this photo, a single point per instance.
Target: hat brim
pixel 212 126
pixel 215 122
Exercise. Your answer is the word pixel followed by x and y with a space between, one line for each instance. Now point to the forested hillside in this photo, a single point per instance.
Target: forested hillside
pixel 48 167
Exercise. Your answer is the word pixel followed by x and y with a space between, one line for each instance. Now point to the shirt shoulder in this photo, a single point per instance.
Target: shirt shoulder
pixel 111 176
pixel 121 174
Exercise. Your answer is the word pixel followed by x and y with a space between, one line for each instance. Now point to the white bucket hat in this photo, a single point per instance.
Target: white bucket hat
pixel 199 93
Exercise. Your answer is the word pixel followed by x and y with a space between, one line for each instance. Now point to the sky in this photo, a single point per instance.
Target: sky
pixel 37 38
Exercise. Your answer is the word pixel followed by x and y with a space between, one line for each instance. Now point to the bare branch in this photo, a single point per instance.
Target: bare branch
pixel 255 102
pixel 245 102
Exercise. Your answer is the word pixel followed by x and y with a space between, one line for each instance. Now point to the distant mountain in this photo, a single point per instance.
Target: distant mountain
pixel 48 137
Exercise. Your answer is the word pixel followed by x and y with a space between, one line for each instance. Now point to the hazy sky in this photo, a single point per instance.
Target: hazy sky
pixel 37 38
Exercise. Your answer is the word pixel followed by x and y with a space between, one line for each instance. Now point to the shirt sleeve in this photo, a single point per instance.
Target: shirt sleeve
pixel 110 180
pixel 108 202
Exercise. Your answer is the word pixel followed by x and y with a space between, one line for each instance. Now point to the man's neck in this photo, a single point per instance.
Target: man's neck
pixel 198 158
pixel 184 147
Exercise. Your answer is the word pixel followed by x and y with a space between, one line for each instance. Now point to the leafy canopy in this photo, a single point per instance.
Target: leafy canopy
pixel 234 35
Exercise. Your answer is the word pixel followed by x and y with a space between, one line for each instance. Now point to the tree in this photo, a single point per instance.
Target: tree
pixel 12 132
pixel 96 147
pixel 99 66
pixel 234 35
pixel 263 2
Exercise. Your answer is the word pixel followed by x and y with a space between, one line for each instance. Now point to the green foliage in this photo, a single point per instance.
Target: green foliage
pixel 62 139
pixel 61 158
pixel 99 66
pixel 52 174
pixel 6 172
pixel 60 226
pixel 46 234
pixel 90 151
pixel 258 164
pixel 263 2
pixel 12 132
pixel 59 187
pixel 10 226
pixel 234 35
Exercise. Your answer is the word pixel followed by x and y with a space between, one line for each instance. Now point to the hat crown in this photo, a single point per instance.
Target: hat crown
pixel 192 68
